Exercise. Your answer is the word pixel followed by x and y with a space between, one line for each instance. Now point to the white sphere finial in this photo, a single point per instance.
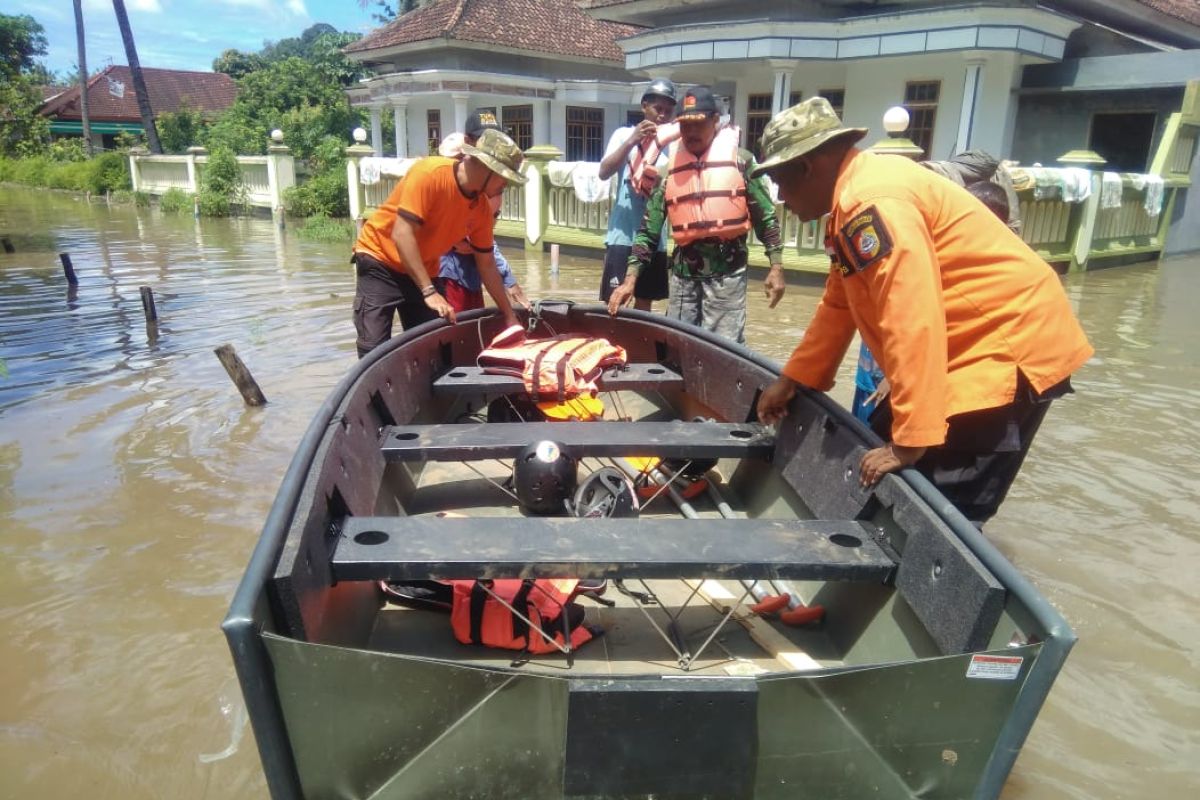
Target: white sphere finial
pixel 360 135
pixel 277 136
pixel 895 119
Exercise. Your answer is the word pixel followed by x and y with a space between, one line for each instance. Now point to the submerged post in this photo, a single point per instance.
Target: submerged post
pixel 68 270
pixel 240 376
pixel 8 245
pixel 148 304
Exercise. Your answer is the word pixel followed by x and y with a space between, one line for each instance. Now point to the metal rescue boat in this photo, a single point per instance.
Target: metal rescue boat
pixel 922 679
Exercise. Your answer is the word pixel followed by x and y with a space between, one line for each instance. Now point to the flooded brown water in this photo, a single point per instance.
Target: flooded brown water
pixel 133 482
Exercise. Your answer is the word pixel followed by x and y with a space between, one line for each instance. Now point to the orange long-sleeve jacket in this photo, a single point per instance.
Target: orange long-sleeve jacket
pixel 949 300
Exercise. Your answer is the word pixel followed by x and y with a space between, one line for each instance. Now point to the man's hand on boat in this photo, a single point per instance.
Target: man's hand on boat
pixel 516 296
pixel 438 303
pixel 773 402
pixel 623 294
pixel 774 285
pixel 882 460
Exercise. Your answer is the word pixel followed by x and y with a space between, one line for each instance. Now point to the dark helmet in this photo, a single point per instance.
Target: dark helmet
pixel 544 478
pixel 660 87
pixel 607 492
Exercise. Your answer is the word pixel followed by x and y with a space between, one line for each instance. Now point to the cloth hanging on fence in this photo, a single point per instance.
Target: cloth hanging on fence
pixel 1111 187
pixel 1154 195
pixel 559 172
pixel 583 177
pixel 1047 183
pixel 1076 184
pixel 372 168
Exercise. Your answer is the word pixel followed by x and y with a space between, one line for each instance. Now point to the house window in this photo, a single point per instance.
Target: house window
pixel 921 99
pixel 758 114
pixel 585 130
pixel 433 126
pixel 836 98
pixel 795 97
pixel 634 117
pixel 1123 139
pixel 518 123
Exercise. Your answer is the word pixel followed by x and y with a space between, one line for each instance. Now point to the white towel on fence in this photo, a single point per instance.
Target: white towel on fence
pixel 559 172
pixel 372 168
pixel 1111 187
pixel 588 186
pixel 1154 195
pixel 1077 184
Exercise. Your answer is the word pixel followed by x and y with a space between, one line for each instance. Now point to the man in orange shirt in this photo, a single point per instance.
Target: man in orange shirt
pixel 972 329
pixel 398 252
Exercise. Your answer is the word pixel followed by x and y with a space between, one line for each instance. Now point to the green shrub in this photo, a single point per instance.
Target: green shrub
pixel 73 175
pixel 33 171
pixel 109 172
pixel 323 229
pixel 221 185
pixel 175 201
pixel 213 204
pixel 8 169
pixel 324 194
pixel 70 149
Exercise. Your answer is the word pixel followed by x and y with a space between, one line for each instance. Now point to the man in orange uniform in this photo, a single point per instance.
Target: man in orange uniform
pixel 972 329
pixel 398 252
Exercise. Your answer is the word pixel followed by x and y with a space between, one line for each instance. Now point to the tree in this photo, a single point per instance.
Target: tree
pixel 22 130
pixel 83 78
pixel 139 82
pixel 22 39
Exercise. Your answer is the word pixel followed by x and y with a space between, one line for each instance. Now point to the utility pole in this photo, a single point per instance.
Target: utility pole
pixel 83 79
pixel 139 83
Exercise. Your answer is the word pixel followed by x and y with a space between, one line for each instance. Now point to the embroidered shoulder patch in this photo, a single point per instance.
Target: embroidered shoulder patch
pixel 866 238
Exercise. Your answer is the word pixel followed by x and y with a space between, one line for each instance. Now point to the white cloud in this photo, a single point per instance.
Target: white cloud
pixel 149 6
pixel 296 7
pixel 105 6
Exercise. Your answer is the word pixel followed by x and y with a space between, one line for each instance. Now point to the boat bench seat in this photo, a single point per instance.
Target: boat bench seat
pixel 631 377
pixel 673 439
pixel 419 548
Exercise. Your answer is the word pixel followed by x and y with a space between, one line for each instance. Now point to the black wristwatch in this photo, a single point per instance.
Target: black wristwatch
pixel 429 291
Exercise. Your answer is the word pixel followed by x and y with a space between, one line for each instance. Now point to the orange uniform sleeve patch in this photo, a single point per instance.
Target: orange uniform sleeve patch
pixel 866 239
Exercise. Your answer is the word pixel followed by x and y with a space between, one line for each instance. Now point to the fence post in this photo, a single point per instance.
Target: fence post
pixel 135 174
pixel 537 194
pixel 358 195
pixel 193 175
pixel 281 171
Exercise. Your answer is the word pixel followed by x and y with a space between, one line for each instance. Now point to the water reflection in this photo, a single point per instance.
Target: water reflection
pixel 133 482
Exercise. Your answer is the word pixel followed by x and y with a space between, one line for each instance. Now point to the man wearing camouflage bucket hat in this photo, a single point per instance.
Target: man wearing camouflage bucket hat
pixel 398 252
pixel 973 330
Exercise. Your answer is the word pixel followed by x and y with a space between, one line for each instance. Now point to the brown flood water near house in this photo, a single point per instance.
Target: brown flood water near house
pixel 133 483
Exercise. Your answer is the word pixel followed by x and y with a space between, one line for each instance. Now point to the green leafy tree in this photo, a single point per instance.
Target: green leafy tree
pixel 22 40
pixel 237 64
pixel 23 132
pixel 179 130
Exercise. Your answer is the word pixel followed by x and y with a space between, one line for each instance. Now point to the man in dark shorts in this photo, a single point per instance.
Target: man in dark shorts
pixel 626 148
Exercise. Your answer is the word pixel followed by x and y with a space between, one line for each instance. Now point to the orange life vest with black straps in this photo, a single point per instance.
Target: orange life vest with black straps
pixel 559 367
pixel 706 196
pixel 479 618
pixel 643 158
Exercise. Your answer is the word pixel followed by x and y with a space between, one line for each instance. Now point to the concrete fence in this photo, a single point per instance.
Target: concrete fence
pixel 265 177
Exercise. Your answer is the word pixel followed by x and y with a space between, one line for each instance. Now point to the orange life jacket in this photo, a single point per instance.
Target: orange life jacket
pixel 706 197
pixel 643 174
pixel 479 618
pixel 560 367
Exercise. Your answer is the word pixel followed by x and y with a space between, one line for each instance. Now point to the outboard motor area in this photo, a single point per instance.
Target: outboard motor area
pixel 635 738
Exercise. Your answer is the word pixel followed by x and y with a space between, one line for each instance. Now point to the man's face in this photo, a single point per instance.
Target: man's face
pixel 795 189
pixel 495 186
pixel 658 109
pixel 698 135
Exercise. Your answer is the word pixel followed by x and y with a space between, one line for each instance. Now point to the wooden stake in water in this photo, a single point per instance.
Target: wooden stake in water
pixel 69 270
pixel 148 304
pixel 8 245
pixel 240 376
pixel 553 258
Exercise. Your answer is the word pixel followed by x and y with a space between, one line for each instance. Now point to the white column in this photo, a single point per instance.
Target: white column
pixel 966 115
pixel 541 122
pixel 377 130
pixel 460 112
pixel 400 116
pixel 781 87
pixel 738 112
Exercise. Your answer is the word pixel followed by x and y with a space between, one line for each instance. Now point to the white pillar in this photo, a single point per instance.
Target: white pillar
pixel 541 122
pixel 966 115
pixel 781 87
pixel 400 116
pixel 377 130
pixel 460 113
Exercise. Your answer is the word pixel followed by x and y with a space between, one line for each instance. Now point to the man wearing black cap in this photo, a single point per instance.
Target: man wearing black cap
pixel 710 202
pixel 634 154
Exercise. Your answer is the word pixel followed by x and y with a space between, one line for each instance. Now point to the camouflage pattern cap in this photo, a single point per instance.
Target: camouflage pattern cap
pixel 801 129
pixel 499 153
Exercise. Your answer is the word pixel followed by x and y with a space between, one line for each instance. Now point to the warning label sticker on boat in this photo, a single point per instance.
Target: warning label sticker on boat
pixel 995 668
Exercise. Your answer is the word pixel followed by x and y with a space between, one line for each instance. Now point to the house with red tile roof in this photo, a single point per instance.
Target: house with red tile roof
pixel 112 103
pixel 973 74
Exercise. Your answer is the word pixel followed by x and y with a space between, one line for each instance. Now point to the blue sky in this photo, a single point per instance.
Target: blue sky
pixel 182 34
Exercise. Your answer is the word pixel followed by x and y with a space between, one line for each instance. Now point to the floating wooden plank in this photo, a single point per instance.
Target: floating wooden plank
pixel 631 377
pixel 418 548
pixel 673 439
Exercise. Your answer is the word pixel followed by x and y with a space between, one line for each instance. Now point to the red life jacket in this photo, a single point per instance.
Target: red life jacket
pixel 560 367
pixel 643 174
pixel 706 196
pixel 479 618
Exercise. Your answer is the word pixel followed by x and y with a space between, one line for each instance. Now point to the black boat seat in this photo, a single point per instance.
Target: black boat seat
pixel 673 439
pixel 631 377
pixel 418 548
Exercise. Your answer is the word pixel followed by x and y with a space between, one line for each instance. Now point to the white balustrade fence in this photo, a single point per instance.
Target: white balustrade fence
pixel 265 178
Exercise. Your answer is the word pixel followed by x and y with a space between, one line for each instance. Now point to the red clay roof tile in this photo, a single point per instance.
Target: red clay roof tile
pixel 168 89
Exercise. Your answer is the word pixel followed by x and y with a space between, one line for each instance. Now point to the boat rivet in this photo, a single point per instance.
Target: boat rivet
pixel 739 386
pixel 937 569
